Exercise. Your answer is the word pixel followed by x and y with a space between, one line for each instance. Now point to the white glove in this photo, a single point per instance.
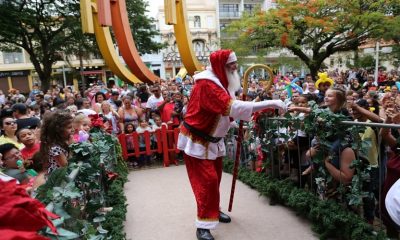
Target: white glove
pixel 279 104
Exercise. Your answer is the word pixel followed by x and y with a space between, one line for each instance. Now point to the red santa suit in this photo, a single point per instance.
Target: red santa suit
pixel 209 111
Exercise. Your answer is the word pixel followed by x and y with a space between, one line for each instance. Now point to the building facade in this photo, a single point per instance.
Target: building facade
pixel 17 71
pixel 203 25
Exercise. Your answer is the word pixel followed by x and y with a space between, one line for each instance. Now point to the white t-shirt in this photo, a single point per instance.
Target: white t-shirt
pixel 392 202
pixel 152 102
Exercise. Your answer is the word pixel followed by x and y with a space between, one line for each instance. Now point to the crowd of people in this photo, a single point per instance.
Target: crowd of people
pixel 37 128
pixel 356 95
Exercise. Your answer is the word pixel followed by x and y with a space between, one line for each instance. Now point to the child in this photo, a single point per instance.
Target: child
pixel 300 143
pixel 157 123
pixel 128 130
pixel 28 138
pixel 10 155
pixel 143 126
pixel 57 134
pixel 81 124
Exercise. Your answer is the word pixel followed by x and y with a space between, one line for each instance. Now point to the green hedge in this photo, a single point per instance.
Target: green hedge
pixel 88 195
pixel 328 218
pixel 115 219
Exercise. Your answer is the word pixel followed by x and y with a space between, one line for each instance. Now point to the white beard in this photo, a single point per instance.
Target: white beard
pixel 233 81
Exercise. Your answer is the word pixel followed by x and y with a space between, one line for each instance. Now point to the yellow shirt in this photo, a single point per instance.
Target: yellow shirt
pixel 372 154
pixel 4 139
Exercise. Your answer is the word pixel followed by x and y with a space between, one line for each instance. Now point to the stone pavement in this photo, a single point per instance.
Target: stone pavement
pixel 162 206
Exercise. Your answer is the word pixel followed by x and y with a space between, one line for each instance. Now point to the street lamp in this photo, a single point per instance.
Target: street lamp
pixel 377 50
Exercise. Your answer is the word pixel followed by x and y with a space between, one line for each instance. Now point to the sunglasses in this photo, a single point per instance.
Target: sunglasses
pixel 10 123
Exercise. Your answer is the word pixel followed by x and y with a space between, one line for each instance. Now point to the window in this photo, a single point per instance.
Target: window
pixel 229 10
pixel 210 21
pixel 13 57
pixel 198 45
pixel 197 22
pixel 249 8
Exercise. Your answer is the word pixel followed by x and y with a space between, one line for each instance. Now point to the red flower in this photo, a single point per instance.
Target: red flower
pixel 111 175
pixel 258 114
pixel 96 120
pixel 20 215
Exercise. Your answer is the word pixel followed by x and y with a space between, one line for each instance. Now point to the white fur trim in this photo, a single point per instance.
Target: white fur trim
pixel 392 202
pixel 212 152
pixel 206 224
pixel 208 74
pixel 232 58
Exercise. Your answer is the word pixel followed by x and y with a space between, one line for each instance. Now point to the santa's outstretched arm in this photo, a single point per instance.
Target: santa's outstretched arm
pixel 242 110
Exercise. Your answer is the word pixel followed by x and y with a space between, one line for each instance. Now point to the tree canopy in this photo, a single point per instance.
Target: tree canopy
pixel 312 29
pixel 42 28
pixel 142 27
pixel 47 28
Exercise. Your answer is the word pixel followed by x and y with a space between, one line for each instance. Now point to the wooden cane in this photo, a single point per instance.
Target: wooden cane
pixel 240 132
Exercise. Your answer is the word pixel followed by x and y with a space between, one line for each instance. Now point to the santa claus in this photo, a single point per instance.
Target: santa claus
pixel 211 109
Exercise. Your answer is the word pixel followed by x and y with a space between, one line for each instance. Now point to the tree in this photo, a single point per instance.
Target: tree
pixel 142 26
pixel 43 28
pixel 311 29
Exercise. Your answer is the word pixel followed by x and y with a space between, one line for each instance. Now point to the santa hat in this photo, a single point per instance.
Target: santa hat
pixel 218 60
pixel 232 58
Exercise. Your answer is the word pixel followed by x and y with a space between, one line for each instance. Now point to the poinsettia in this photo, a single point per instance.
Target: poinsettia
pixel 22 216
pixel 96 120
pixel 111 175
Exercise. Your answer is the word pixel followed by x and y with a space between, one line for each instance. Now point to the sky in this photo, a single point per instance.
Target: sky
pixel 153 6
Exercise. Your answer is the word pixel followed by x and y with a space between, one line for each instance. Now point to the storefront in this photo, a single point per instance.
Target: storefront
pixel 20 80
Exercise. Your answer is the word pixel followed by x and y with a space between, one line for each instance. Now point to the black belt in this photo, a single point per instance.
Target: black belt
pixel 200 134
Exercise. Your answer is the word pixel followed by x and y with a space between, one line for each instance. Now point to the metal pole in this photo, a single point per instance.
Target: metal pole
pixel 370 124
pixel 64 77
pixel 376 62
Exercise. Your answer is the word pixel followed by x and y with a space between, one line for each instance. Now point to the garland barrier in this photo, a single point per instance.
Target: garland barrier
pixel 88 195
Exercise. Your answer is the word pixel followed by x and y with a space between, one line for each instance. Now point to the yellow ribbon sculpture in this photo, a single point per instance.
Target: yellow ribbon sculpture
pixel 323 78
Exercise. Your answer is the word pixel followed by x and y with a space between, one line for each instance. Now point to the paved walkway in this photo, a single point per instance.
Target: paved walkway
pixel 162 206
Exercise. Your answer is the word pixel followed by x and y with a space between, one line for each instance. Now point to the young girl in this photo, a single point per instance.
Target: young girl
pixel 143 126
pixel 129 129
pixel 339 161
pixel 56 135
pixel 81 125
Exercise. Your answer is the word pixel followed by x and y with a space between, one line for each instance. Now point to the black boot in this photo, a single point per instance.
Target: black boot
pixel 224 218
pixel 204 234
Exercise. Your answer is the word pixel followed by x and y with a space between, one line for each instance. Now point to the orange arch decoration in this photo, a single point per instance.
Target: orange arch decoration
pixel 95 16
pixel 126 43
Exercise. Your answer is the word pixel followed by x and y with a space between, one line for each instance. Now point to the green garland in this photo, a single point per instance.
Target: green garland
pixel 115 219
pixel 328 218
pixel 88 195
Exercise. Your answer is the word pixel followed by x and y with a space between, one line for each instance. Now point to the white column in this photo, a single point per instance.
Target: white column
pixel 241 8
pixel 376 62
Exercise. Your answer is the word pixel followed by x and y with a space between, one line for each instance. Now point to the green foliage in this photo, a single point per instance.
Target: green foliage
pixel 329 219
pixel 48 29
pixel 367 61
pixel 88 194
pixel 42 28
pixel 311 30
